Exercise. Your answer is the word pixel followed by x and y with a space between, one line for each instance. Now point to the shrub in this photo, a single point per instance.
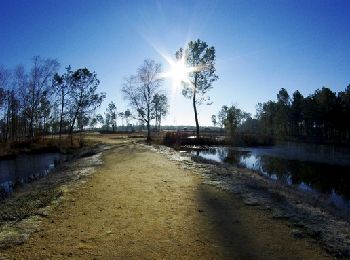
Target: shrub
pixel 178 139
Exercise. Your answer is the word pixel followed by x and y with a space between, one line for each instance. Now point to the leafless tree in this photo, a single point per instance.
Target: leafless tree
pixel 62 86
pixel 140 89
pixel 40 80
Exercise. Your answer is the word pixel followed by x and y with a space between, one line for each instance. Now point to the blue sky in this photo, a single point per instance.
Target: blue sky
pixel 261 46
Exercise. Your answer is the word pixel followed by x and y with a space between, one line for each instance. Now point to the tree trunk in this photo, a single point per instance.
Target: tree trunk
pixel 194 105
pixel 61 117
pixel 148 131
pixel 195 113
pixel 148 122
pixel 72 126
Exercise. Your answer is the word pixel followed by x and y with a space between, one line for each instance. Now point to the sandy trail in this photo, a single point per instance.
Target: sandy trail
pixel 140 205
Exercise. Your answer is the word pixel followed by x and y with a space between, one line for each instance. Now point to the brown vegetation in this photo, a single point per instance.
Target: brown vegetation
pixel 141 205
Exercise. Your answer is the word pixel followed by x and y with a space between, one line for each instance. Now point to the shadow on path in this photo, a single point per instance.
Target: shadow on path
pixel 243 232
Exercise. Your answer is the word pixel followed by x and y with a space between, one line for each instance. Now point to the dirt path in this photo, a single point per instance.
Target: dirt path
pixel 140 205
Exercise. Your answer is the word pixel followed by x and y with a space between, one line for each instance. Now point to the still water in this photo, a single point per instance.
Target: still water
pixel 323 170
pixel 25 169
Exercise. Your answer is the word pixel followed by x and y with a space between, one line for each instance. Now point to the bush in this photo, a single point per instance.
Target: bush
pixel 178 139
pixel 245 139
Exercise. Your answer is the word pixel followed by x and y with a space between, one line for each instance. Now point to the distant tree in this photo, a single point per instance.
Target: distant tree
pixel 283 97
pixel 127 115
pixel 309 115
pixel 44 114
pixel 99 119
pixel 121 115
pixel 5 76
pixel 62 87
pixel 19 122
pixel 235 117
pixel 274 116
pixel 222 115
pixel 40 82
pixel 296 115
pixel 111 111
pixel 266 113
pixel 107 121
pixel 318 117
pixel 213 120
pixel 282 114
pixel 39 102
pixel 327 103
pixel 93 122
pixel 84 96
pixel 5 101
pixel 344 112
pixel 139 90
pixel 160 108
pixel 199 56
pixel 2 93
pixel 250 125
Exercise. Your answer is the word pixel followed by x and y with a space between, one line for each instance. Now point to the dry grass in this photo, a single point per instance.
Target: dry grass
pixel 43 144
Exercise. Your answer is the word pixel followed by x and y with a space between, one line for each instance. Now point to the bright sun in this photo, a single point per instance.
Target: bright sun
pixel 179 72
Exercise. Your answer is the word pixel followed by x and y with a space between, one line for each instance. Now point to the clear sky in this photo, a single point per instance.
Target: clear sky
pixel 261 46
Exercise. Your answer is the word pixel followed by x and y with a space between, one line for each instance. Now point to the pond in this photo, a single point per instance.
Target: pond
pixel 25 169
pixel 321 169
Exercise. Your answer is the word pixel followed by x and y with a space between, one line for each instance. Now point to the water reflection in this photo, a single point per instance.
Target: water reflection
pixel 25 169
pixel 301 167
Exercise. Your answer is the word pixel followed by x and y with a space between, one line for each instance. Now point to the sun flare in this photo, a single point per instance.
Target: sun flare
pixel 179 72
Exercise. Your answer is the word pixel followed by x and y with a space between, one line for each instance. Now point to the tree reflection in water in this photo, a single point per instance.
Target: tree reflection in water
pixel 328 179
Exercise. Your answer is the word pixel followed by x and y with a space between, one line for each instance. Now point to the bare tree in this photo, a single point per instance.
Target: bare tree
pixel 62 87
pixel 214 120
pixel 27 104
pixel 40 81
pixel 20 83
pixel 139 90
pixel 5 101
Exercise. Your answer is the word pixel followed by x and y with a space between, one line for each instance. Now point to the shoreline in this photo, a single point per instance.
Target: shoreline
pixel 22 212
pixel 308 217
pixel 305 220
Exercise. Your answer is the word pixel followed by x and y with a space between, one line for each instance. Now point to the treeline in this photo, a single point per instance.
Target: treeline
pixel 41 101
pixel 109 122
pixel 322 116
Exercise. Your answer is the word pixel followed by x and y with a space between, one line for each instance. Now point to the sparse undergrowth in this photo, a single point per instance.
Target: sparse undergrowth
pixel 43 145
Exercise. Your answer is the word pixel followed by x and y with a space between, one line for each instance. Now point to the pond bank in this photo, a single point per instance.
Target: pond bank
pixel 306 215
pixel 21 214
pixel 47 144
pixel 140 205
